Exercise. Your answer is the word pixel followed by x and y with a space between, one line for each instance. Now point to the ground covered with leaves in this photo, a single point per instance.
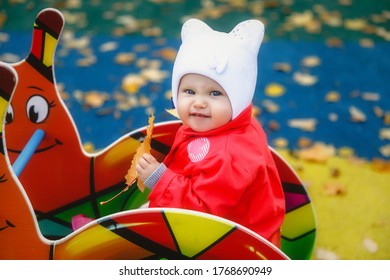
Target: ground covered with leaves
pixel 350 197
pixel 322 95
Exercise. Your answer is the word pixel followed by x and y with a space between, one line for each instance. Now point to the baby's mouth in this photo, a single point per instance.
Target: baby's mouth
pixel 199 115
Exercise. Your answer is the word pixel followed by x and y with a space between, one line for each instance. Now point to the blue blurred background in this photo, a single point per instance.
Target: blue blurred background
pixel 341 47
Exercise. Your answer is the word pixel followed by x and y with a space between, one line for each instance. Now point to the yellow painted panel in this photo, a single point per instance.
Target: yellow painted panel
pixel 99 243
pixel 50 45
pixel 298 222
pixel 194 233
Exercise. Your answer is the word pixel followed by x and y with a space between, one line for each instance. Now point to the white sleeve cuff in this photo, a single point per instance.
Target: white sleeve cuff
pixel 153 178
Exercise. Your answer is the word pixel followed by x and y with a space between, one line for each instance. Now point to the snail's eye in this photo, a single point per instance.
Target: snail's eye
pixel 37 109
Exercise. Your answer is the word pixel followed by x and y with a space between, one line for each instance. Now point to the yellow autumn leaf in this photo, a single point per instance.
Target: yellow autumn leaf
pixel 145 147
pixel 274 90
pixel 131 175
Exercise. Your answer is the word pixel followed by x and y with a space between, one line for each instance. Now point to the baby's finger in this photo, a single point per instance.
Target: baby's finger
pixel 142 162
pixel 148 157
pixel 139 168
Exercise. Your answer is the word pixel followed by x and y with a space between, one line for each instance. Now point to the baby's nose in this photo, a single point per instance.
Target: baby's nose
pixel 200 102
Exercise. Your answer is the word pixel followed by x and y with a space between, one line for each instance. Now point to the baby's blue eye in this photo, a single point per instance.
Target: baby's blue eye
pixel 215 93
pixel 189 91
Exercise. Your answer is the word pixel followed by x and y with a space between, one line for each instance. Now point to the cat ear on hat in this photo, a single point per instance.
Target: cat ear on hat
pixel 250 33
pixel 193 27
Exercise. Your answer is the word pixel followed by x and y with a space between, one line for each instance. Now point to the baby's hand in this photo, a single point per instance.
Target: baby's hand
pixel 145 166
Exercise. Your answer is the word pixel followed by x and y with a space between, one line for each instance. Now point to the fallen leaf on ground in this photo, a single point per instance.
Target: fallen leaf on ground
pixel 304 124
pixel 323 254
pixel 356 114
pixel 335 172
pixel 300 19
pixel 282 67
pixel 334 188
pixel 366 43
pixel 95 99
pixel 270 106
pixel 371 96
pixel 334 42
pixel 132 82
pixel 319 152
pixel 304 79
pixel 333 117
pixel 332 96
pixel 384 134
pixel 256 111
pixel 274 90
pixel 304 142
pixel 380 165
pixel 89 147
pixel 280 142
pixel 154 75
pixel 346 152
pixel 108 46
pixel 124 58
pixel 273 125
pixel 355 24
pixel 168 54
pixel 378 111
pixel 370 245
pixel 311 61
pixel 386 118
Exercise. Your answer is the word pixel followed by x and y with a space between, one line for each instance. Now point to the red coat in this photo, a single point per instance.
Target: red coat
pixel 228 172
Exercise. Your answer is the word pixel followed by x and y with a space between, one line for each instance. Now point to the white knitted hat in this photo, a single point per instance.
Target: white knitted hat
pixel 228 58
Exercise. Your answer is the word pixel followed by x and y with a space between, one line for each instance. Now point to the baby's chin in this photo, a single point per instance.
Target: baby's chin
pixel 198 128
pixel 202 128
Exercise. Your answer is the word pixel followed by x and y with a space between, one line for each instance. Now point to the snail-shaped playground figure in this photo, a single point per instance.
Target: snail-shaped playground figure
pixel 60 178
pixel 132 234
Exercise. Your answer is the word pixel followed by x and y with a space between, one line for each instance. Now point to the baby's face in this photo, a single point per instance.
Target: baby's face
pixel 202 103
